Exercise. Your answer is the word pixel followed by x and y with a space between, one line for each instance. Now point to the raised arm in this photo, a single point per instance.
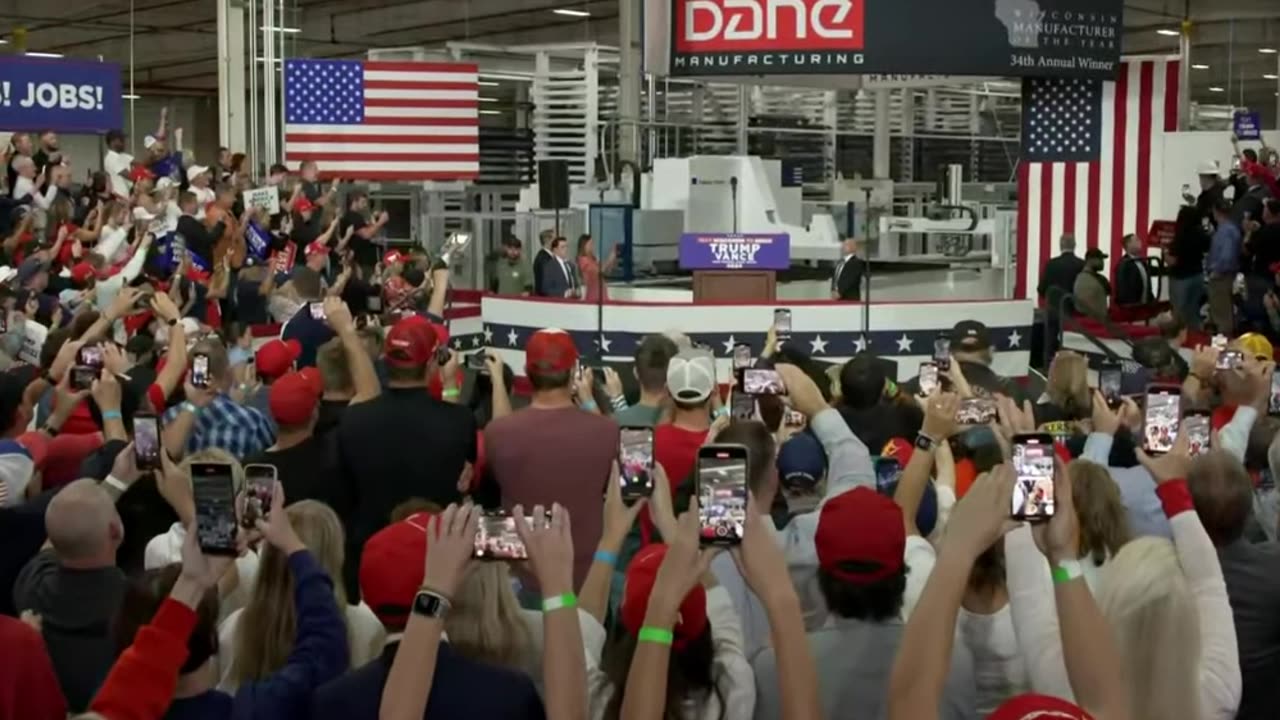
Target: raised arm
pixel 363 375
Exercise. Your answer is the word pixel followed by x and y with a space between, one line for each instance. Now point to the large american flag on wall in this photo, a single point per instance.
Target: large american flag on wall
pixel 1091 156
pixel 367 120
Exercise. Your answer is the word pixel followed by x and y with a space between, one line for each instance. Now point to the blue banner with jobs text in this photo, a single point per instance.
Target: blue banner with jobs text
pixel 61 95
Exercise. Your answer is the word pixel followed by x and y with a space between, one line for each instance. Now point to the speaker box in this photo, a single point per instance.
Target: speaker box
pixel 553 184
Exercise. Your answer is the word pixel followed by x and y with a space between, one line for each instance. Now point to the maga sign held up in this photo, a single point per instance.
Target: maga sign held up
pixel 61 95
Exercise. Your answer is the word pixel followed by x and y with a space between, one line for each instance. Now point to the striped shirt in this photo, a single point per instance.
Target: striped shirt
pixel 240 430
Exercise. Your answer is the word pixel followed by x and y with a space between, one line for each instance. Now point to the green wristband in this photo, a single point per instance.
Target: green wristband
pixel 557 602
pixel 655 635
pixel 450 393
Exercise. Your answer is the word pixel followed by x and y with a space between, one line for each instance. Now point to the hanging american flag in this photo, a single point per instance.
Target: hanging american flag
pixel 1091 154
pixel 368 120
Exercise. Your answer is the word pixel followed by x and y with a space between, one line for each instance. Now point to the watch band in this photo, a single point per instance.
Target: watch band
pixel 431 604
pixel 188 406
pixel 1067 570
pixel 925 442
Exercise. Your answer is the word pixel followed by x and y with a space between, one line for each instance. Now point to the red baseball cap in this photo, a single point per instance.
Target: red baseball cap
pixel 392 257
pixel 410 342
pixel 81 272
pixel 391 569
pixel 550 351
pixel 317 248
pixel 277 357
pixel 1031 706
pixel 691 621
pixel 863 526
pixel 294 396
pixel 140 172
pixel 899 449
pixel 303 204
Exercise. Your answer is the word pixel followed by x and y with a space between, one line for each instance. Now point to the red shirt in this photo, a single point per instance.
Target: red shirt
pixel 676 450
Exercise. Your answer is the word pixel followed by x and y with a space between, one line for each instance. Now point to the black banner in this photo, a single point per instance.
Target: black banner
pixel 1072 38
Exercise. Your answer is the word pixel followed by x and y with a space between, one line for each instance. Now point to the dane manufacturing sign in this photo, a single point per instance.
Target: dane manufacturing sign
pixel 1074 38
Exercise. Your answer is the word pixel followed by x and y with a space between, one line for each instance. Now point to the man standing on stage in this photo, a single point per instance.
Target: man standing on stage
pixel 846 281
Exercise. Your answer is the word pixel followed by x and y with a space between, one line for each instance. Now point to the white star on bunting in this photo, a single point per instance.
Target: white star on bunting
pixel 862 343
pixel 728 345
pixel 488 335
pixel 904 343
pixel 1015 340
pixel 475 341
pixel 604 343
pixel 511 337
pixel 457 343
pixel 817 345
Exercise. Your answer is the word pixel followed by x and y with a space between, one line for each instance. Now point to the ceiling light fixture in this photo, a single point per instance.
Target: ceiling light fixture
pixel 1270 76
pixel 272 28
pixel 3 41
pixel 571 12
pixel 1215 88
pixel 1268 51
pixel 1168 32
pixel 44 54
pixel 489 99
pixel 490 112
pixel 1200 66
pixel 486 83
pixel 277 61
pixel 131 97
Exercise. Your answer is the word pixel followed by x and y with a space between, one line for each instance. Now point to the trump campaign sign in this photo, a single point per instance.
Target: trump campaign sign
pixel 709 251
pixel 61 95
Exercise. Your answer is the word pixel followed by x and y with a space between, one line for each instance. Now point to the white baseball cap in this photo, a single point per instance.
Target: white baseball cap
pixel 165 183
pixel 149 141
pixel 691 376
pixel 1209 167
pixel 196 170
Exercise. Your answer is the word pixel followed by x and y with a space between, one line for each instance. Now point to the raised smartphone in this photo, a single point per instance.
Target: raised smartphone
pixel 1161 416
pixel 146 441
pixel 722 493
pixel 928 378
pixel 214 492
pixel 259 486
pixel 1033 477
pixel 635 462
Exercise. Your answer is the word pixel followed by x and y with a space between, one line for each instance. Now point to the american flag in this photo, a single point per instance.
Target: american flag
pixel 1091 154
pixel 368 120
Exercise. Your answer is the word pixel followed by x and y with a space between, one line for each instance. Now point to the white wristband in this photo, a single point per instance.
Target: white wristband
pixel 1067 570
pixel 115 482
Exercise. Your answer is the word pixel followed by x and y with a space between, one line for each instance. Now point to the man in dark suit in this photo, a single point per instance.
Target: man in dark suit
pixel 1059 276
pixel 542 257
pixel 846 281
pixel 1133 275
pixel 559 276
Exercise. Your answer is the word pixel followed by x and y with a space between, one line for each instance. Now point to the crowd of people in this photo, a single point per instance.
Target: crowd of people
pixel 135 588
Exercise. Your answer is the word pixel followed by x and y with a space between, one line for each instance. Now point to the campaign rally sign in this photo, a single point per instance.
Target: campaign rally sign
pixel 1247 125
pixel 61 95
pixel 267 198
pixel 710 251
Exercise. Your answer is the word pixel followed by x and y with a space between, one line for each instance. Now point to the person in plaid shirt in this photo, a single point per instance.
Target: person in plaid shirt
pixel 209 418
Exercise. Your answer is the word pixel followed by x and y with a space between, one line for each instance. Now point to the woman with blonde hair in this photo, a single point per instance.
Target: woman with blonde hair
pixel 1066 396
pixel 256 641
pixel 488 625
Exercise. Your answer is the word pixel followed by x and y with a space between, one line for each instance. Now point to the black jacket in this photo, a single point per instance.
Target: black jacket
pixel 1190 243
pixel 847 278
pixel 199 239
pixel 540 259
pixel 1131 288
pixel 1059 278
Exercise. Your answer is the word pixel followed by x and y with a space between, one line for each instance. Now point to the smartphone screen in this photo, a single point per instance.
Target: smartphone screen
pixel 928 378
pixel 1196 425
pixel 260 485
pixel 82 376
pixel 497 539
pixel 635 462
pixel 1219 342
pixel 91 355
pixel 215 500
pixel 782 322
pixel 200 371
pixel 942 352
pixel 762 381
pixel 1160 425
pixel 1273 404
pixel 317 310
pixel 1230 360
pixel 794 418
pixel 976 411
pixel 146 442
pixel 1033 470
pixel 722 493
pixel 476 361
pixel 374 303
pixel 741 356
pixel 742 406
pixel 888 472
pixel 1109 377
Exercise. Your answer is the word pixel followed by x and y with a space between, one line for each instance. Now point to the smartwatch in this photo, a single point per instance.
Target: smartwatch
pixel 924 442
pixel 431 604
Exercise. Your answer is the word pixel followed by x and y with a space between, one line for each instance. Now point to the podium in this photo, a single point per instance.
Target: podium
pixel 739 268
pixel 744 286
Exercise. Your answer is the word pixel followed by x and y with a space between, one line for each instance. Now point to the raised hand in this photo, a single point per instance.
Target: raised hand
pixel 549 544
pixel 451 538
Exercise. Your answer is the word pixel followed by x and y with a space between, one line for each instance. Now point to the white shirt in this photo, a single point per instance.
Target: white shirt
pixel 111 243
pixel 998 664
pixel 24 186
pixel 166 549
pixel 115 163
pixel 204 196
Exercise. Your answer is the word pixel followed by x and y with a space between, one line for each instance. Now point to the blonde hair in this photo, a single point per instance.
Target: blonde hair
pixel 1148 604
pixel 1104 525
pixel 485 623
pixel 268 626
pixel 216 455
pixel 1068 385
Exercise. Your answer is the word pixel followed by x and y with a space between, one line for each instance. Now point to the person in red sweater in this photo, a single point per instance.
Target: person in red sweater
pixel 28 689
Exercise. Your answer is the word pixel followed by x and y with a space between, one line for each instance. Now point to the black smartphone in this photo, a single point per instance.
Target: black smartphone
pixel 942 352
pixel 742 406
pixel 215 499
pixel 259 487
pixel 88 367
pixel 782 323
pixel 635 462
pixel 888 472
pixel 722 493
pixel 200 371
pixel 476 361
pixel 146 441
pixel 1196 424
pixel 1161 417
pixel 497 539
pixel 1230 360
pixel 1109 376
pixel 741 356
pixel 762 381
pixel 1033 477
pixel 928 378
pixel 1273 404
pixel 317 310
